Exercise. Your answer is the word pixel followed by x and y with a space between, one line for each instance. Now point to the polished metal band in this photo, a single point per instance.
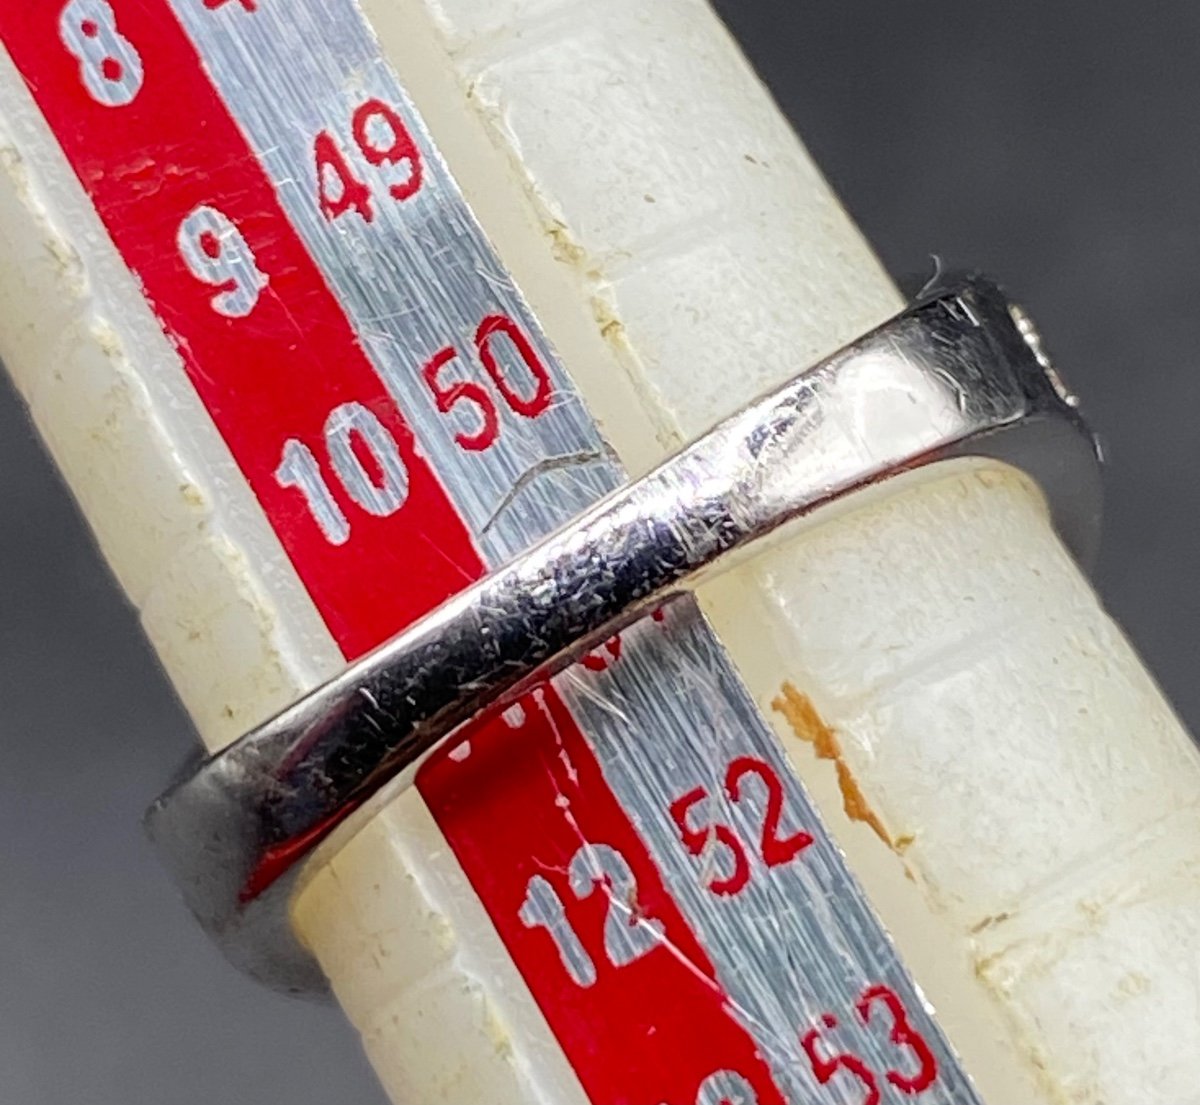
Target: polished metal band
pixel 960 374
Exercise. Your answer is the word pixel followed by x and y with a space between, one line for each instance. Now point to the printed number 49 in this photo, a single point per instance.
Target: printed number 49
pixel 702 838
pixel 109 64
pixel 384 143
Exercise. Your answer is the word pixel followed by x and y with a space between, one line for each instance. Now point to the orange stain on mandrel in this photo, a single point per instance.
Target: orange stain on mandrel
pixel 799 712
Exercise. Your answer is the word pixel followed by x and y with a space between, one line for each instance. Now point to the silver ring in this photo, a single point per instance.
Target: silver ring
pixel 959 374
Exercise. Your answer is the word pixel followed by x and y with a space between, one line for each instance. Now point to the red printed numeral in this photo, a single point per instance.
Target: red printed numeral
pixel 384 143
pixel 602 658
pixel 504 351
pixel 730 1088
pixel 826 1064
pixel 701 839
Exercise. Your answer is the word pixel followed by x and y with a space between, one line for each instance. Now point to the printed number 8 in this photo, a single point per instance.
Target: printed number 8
pixel 108 62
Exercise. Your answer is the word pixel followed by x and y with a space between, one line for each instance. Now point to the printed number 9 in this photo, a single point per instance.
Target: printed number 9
pixel 215 252
pixel 110 66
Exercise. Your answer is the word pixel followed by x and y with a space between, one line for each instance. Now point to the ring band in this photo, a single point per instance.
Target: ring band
pixel 959 374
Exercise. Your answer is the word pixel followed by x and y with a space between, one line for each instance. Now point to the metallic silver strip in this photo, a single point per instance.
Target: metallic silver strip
pixel 422 276
pixel 798 942
pixel 419 277
pixel 966 379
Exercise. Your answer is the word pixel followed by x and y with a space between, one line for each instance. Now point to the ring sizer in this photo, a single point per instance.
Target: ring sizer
pixel 960 374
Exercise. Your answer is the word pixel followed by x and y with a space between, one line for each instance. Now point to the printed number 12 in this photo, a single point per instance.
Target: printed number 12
pixel 628 935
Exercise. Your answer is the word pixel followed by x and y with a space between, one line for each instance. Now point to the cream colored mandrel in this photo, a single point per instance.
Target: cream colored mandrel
pixel 983 724
pixel 1006 779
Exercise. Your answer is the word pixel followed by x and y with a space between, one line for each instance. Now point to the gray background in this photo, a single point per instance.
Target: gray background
pixel 1056 145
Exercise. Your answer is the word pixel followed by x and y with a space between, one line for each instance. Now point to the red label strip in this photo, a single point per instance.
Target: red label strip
pixel 272 356
pixel 275 362
pixel 566 878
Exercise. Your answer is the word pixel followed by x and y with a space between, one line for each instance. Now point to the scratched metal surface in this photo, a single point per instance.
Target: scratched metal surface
pixel 1054 163
pixel 419 276
pixel 422 270
pixel 797 943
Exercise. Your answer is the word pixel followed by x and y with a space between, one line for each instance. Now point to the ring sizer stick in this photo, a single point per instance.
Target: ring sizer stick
pixel 971 381
pixel 272 205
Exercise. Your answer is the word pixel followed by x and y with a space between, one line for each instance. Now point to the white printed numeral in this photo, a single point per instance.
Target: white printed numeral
pixel 726 1087
pixel 543 908
pixel 109 64
pixel 217 253
pixel 627 934
pixel 381 493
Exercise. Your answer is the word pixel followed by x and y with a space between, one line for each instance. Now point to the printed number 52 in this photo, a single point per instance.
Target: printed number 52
pixel 701 838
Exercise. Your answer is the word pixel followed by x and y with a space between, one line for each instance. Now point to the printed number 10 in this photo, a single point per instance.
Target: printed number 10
pixel 366 460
